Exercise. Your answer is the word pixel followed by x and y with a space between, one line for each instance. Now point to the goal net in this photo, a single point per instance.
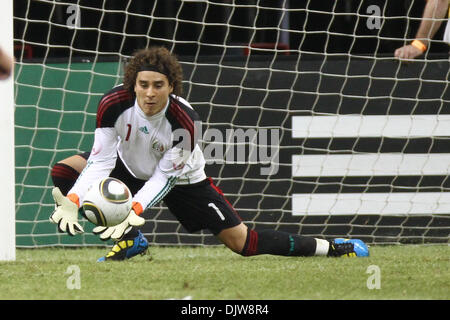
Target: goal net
pixel 309 123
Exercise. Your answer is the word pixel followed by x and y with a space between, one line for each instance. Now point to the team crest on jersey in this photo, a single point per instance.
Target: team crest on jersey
pixel 158 146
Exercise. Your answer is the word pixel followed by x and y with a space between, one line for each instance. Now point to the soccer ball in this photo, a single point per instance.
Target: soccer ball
pixel 107 202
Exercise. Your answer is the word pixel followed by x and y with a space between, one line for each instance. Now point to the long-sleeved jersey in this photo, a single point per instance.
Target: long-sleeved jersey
pixel 160 149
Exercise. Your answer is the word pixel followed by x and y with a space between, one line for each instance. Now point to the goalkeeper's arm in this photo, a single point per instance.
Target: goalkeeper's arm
pixel 154 190
pixel 99 165
pixel 166 174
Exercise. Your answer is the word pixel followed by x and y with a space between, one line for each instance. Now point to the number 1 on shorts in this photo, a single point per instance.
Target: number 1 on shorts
pixel 212 205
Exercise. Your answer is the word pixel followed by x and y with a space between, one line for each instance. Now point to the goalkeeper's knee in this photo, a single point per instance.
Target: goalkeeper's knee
pixel 234 238
pixel 64 177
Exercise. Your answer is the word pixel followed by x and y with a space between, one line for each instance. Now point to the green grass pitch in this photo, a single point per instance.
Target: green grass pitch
pixel 216 273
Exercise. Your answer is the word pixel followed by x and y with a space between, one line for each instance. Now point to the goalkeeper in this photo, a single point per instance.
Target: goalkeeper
pixel 146 136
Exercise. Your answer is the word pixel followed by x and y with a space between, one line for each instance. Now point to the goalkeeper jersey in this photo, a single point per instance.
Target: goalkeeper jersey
pixel 161 149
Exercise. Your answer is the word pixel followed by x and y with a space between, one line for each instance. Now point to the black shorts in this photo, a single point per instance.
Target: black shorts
pixel 196 206
pixel 201 206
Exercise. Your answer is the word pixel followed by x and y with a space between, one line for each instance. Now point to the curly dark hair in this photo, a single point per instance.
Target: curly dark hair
pixel 162 59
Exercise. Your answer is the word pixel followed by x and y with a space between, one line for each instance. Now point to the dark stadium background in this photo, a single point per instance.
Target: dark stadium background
pixel 33 34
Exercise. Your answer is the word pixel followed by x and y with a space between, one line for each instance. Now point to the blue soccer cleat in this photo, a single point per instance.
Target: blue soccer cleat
pixel 127 248
pixel 348 248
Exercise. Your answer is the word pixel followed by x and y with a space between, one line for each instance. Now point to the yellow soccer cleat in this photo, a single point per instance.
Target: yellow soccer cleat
pixel 348 248
pixel 127 248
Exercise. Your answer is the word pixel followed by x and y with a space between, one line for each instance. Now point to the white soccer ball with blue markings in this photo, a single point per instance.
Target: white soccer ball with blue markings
pixel 107 202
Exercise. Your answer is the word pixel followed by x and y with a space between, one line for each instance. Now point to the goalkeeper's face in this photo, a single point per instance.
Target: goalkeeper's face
pixel 152 91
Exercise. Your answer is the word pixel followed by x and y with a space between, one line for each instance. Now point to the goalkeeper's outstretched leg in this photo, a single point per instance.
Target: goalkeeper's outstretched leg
pixel 249 242
pixel 204 206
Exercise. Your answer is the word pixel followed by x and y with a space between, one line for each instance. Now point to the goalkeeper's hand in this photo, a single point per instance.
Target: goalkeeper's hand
pixel 65 214
pixel 118 231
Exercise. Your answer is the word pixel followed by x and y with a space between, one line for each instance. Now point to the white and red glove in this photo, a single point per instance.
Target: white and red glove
pixel 118 231
pixel 66 213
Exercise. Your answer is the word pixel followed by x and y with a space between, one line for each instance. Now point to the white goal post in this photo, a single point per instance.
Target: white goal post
pixel 7 189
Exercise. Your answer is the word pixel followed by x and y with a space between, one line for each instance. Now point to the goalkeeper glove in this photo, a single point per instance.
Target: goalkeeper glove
pixel 65 214
pixel 118 231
